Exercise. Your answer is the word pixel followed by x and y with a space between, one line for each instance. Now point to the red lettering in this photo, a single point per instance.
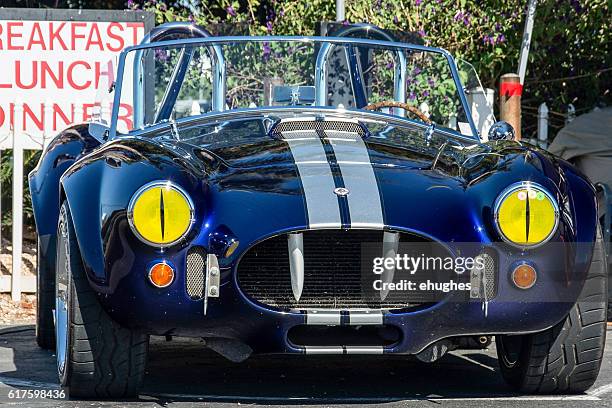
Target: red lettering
pixel 36 31
pixel 18 73
pixel 1 46
pixel 2 116
pixel 95 31
pixel 10 35
pixel 57 111
pixel 134 27
pixel 55 35
pixel 86 114
pixel 74 36
pixel 109 73
pixel 126 117
pixel 38 121
pixel 70 75
pixel 109 32
pixel 47 71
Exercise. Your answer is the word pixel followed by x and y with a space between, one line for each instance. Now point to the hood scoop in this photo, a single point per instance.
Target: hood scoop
pixel 287 128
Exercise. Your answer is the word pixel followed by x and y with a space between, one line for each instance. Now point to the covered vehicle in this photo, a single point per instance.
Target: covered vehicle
pixel 309 195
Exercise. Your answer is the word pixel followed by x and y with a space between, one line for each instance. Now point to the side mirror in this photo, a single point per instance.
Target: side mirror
pixel 501 131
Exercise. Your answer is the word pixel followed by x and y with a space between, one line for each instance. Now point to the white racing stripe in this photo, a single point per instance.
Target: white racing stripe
pixel 316 177
pixel 364 203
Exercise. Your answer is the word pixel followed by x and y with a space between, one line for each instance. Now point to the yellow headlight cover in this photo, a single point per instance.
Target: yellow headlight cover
pixel 160 213
pixel 526 215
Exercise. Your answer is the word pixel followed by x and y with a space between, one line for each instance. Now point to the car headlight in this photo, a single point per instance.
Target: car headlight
pixel 160 213
pixel 526 215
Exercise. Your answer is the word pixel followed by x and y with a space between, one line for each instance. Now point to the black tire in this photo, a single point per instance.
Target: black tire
pixel 565 358
pixel 104 360
pixel 45 302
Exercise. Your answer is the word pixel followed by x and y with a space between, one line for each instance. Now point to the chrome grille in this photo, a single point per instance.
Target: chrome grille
pixel 313 125
pixel 333 275
pixel 196 272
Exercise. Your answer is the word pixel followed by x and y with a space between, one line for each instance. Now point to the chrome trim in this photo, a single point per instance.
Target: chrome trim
pixel 364 349
pixel 151 269
pixel 242 113
pixel 142 189
pixel 365 317
pixel 216 41
pixel 295 244
pixel 324 349
pixel 323 317
pixel 511 189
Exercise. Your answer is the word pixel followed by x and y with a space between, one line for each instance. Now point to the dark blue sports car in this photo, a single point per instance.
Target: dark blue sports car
pixel 311 196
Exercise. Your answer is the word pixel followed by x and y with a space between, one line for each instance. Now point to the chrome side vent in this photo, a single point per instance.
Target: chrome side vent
pixel 196 272
pixel 484 280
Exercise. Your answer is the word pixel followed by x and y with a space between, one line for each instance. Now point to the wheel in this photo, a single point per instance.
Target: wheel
pixel 45 302
pixel 565 358
pixel 95 356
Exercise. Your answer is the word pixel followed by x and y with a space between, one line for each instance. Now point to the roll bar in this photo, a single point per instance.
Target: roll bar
pixel 355 71
pixel 166 32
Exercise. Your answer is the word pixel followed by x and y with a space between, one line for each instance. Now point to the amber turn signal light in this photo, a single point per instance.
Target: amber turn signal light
pixel 161 275
pixel 524 276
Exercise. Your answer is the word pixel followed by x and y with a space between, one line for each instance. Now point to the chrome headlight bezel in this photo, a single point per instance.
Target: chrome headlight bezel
pixel 510 190
pixel 163 184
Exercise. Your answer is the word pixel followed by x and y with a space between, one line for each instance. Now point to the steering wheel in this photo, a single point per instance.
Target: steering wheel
pixel 392 104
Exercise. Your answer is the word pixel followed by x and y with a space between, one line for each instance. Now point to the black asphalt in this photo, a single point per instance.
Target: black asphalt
pixel 182 373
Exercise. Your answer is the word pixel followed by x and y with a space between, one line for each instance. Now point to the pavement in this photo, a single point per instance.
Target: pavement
pixel 181 373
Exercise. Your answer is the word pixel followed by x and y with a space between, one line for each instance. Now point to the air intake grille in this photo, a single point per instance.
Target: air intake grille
pixel 333 274
pixel 196 272
pixel 310 125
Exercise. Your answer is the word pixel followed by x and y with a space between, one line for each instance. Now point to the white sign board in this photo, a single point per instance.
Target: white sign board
pixel 51 73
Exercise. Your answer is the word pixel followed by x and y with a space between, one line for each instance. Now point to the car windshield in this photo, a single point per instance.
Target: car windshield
pixel 173 80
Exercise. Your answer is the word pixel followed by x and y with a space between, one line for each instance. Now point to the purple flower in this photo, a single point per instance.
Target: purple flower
pixel 458 16
pixel 389 65
pixel 500 38
pixel 266 50
pixel 431 82
pixel 395 20
pixel 416 71
pixel 422 33
pixel 426 94
pixel 230 10
pixel 345 23
pixel 269 26
pixel 412 96
pixel 161 55
pixel 417 2
pixel 130 4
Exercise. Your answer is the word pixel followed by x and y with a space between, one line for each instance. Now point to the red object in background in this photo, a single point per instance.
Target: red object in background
pixel 508 89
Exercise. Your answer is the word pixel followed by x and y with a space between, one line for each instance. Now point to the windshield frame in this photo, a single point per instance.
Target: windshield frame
pixel 215 41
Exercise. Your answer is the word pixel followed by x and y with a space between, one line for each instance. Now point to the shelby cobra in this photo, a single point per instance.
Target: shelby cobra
pixel 266 193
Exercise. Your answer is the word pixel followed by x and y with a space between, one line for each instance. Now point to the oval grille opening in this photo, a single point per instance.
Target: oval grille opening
pixel 333 274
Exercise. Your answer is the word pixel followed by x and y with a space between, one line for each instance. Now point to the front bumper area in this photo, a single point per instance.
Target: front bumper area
pixel 137 304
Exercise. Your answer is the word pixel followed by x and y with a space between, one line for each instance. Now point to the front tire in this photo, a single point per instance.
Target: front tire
pixel 96 358
pixel 45 298
pixel 565 358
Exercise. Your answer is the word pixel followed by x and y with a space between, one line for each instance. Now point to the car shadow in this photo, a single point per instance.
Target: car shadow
pixel 182 369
